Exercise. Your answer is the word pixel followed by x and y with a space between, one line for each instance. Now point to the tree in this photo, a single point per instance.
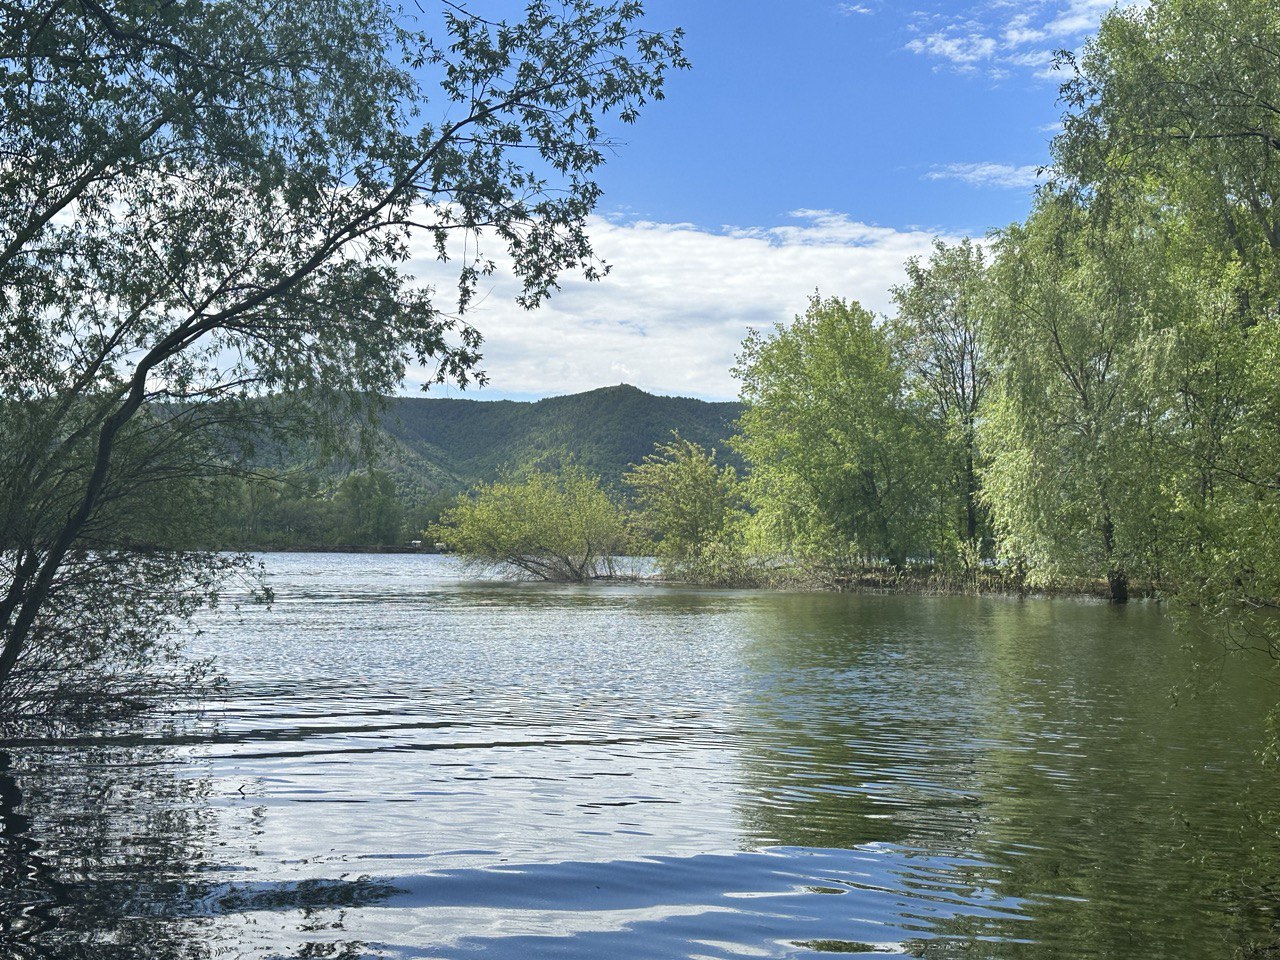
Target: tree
pixel 843 461
pixel 205 202
pixel 102 643
pixel 939 331
pixel 1173 124
pixel 692 508
pixel 553 526
pixel 1179 102
pixel 368 510
pixel 1073 428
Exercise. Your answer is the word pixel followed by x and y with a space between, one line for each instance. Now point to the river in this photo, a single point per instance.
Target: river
pixel 408 761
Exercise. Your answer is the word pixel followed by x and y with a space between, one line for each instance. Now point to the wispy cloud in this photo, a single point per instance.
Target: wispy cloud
pixel 850 9
pixel 963 50
pixel 673 311
pixel 1079 16
pixel 990 37
pixel 988 174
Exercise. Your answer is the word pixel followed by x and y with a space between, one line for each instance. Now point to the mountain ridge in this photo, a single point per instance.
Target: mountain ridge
pixel 604 430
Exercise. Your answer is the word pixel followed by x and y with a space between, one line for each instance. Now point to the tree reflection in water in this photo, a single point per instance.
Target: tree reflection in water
pixel 1045 768
pixel 975 778
pixel 110 853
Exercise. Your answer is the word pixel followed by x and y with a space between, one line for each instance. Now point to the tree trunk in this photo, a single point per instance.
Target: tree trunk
pixel 1117 579
pixel 1118 583
pixel 21 619
pixel 970 499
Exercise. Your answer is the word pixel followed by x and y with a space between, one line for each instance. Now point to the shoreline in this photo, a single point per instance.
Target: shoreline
pixel 870 581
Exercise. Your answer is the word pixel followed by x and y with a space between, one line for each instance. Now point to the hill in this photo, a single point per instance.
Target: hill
pixel 604 431
pixel 431 449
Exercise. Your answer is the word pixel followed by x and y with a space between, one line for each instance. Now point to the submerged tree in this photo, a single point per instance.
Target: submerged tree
pixel 1176 106
pixel 553 526
pixel 203 202
pixel 692 509
pixel 1072 427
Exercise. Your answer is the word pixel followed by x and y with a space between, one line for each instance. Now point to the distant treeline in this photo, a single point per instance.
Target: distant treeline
pixel 300 510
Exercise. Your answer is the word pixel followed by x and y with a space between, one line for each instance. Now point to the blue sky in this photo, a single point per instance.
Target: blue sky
pixel 808 104
pixel 815 144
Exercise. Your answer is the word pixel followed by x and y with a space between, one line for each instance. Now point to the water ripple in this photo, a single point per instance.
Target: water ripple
pixel 410 763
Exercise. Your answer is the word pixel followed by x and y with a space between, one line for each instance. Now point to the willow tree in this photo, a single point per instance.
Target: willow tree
pixel 1175 107
pixel 550 526
pixel 203 202
pixel 1071 426
pixel 1179 102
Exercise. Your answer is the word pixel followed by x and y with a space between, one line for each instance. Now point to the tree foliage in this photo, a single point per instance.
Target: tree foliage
pixel 843 459
pixel 1073 431
pixel 692 509
pixel 1097 400
pixel 1093 396
pixel 553 526
pixel 1176 109
pixel 366 502
pixel 203 202
pixel 939 330
pixel 1177 103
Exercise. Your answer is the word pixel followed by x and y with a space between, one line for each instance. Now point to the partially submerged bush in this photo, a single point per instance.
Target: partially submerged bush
pixel 692 510
pixel 550 526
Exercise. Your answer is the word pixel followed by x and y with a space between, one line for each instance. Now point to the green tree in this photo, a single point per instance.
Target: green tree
pixel 368 509
pixel 939 330
pixel 205 202
pixel 1173 108
pixel 102 643
pixel 692 509
pixel 1177 102
pixel 843 461
pixel 1073 428
pixel 553 526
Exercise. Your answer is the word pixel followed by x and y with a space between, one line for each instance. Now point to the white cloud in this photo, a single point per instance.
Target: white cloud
pixel 986 36
pixel 988 174
pixel 849 9
pixel 1036 59
pixel 1017 36
pixel 1078 17
pixel 672 313
pixel 962 50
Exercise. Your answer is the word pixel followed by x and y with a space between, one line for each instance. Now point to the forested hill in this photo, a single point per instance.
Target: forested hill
pixel 602 430
pixel 436 448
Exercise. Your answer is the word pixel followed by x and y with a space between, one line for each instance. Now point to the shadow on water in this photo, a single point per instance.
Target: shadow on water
pixel 111 854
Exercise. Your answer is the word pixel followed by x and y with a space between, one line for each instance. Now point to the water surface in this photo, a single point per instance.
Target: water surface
pixel 410 763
